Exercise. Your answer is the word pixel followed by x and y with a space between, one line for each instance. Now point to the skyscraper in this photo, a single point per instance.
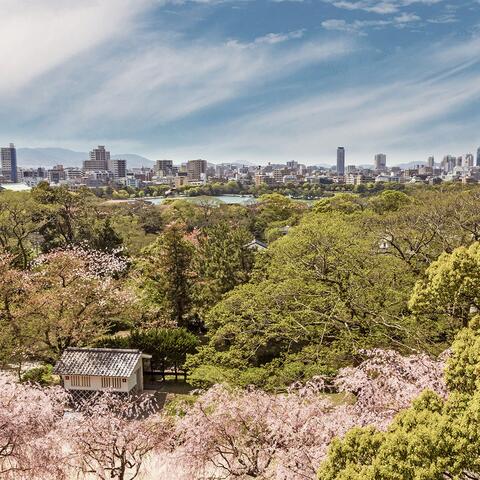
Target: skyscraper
pixel 164 167
pixel 292 165
pixel 119 168
pixel 448 163
pixel 341 161
pixel 469 158
pixel 197 170
pixel 380 162
pixel 478 157
pixel 431 162
pixel 9 163
pixel 99 159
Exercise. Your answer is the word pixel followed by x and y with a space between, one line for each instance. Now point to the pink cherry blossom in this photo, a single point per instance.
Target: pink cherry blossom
pixel 29 417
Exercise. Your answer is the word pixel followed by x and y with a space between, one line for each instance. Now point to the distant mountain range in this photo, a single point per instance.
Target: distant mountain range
pixel 48 157
pixel 408 165
pixel 134 160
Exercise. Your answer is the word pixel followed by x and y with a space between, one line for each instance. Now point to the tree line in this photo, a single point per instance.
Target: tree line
pixel 347 273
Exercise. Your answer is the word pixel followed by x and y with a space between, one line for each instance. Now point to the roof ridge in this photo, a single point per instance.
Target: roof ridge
pixel 116 362
pixel 90 349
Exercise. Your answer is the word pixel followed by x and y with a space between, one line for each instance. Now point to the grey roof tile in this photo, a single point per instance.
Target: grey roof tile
pixel 106 362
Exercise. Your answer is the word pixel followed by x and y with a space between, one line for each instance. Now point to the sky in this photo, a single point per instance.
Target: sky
pixel 243 80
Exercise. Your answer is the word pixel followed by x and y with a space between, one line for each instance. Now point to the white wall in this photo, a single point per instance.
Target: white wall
pixel 132 380
pixel 96 384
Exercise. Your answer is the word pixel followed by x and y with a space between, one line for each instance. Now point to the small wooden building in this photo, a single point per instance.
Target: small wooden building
pixel 256 245
pixel 84 370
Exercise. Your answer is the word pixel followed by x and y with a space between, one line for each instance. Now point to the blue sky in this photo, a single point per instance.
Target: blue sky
pixel 243 80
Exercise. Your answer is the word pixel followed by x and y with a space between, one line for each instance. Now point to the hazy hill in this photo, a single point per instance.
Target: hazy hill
pixel 48 157
pixel 134 161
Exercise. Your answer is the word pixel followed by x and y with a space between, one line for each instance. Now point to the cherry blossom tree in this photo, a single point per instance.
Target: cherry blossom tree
pixel 29 417
pixel 67 298
pixel 16 344
pixel 226 434
pixel 112 436
pixel 252 434
pixel 94 263
pixel 387 382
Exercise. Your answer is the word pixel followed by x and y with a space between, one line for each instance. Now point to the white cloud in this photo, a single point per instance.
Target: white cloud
pixel 382 7
pixel 165 82
pixel 272 38
pixel 411 116
pixel 99 71
pixel 443 19
pixel 367 6
pixel 360 26
pixel 89 70
pixel 39 35
pixel 268 39
pixel 406 18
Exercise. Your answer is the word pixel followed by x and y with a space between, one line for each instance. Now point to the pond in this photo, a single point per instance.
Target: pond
pixel 228 199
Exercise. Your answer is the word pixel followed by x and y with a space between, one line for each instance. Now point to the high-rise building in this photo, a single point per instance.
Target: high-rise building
pixel 341 161
pixel 9 168
pixel 119 168
pixel 469 159
pixel 448 163
pixel 478 157
pixel 197 170
pixel 99 159
pixel 278 174
pixel 292 165
pixel 380 162
pixel 431 162
pixel 164 167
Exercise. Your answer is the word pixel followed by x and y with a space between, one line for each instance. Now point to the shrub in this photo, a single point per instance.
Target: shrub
pixel 43 375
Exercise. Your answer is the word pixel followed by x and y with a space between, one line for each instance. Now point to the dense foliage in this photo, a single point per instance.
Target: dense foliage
pixel 167 346
pixel 353 271
pixel 436 438
pixel 357 297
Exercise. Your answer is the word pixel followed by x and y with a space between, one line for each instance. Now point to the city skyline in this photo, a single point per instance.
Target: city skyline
pixel 239 80
pixel 101 162
pixel 105 173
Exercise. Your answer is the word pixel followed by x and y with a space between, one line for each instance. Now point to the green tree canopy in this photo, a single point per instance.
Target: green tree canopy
pixel 168 346
pixel 326 288
pixel 164 277
pixel 435 439
pixel 222 261
pixel 451 289
pixel 389 201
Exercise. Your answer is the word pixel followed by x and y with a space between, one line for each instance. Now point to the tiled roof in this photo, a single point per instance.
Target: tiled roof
pixel 256 243
pixel 106 362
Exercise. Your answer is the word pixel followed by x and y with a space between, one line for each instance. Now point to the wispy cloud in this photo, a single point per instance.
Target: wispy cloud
pixel 109 81
pixel 40 35
pixel 180 80
pixel 383 7
pixel 229 83
pixel 272 38
pixel 360 26
pixel 407 117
